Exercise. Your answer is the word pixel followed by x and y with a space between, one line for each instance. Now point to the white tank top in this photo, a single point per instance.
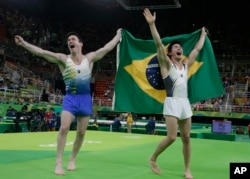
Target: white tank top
pixel 176 82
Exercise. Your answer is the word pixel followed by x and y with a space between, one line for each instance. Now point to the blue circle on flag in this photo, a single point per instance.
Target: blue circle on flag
pixel 153 74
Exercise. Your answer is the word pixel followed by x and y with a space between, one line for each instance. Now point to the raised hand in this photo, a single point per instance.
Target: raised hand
pixel 149 17
pixel 19 40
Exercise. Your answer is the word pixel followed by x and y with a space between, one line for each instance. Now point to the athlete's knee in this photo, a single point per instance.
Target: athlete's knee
pixel 171 138
pixel 81 133
pixel 64 129
pixel 185 138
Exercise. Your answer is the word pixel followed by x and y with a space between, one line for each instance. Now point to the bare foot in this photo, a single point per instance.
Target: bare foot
pixel 59 169
pixel 71 166
pixel 154 167
pixel 188 175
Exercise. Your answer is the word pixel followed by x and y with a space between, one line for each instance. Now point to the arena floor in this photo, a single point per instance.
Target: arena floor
pixel 115 155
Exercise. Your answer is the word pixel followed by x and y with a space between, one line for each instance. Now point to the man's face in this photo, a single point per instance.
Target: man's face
pixel 73 43
pixel 177 51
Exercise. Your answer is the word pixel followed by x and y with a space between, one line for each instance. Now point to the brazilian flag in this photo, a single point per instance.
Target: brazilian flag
pixel 139 85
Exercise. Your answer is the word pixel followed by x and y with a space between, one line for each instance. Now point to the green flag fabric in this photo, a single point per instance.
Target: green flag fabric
pixel 139 85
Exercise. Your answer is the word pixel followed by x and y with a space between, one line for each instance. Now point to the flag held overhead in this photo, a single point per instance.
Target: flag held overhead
pixel 139 85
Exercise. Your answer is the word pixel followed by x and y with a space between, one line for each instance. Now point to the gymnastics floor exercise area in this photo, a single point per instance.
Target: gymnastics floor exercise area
pixel 115 155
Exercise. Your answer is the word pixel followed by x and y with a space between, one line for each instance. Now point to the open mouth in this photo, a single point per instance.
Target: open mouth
pixel 71 46
pixel 178 53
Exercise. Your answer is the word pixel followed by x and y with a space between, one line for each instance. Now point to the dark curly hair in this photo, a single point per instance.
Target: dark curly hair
pixel 170 46
pixel 76 34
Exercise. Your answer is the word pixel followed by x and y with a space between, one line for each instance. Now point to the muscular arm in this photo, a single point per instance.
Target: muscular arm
pixel 161 53
pixel 49 56
pixel 100 53
pixel 197 48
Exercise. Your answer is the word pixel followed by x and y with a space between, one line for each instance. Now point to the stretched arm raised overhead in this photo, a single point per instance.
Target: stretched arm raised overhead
pixel 100 53
pixel 193 54
pixel 48 55
pixel 163 59
pixel 52 57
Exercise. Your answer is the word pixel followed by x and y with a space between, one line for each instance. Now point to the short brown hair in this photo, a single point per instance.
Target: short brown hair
pixel 75 34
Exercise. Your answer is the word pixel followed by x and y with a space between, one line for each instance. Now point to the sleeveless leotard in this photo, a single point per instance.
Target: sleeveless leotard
pixel 77 77
pixel 176 82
